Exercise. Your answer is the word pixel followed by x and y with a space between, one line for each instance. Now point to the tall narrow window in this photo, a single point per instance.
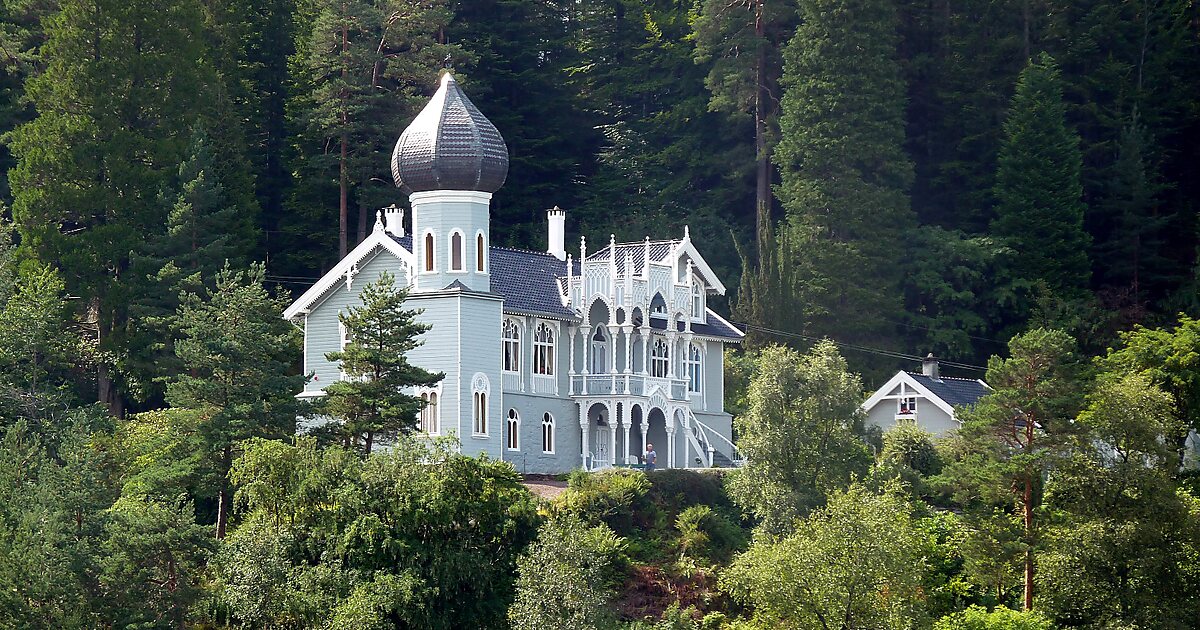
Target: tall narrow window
pixel 480 252
pixel 456 251
pixel 547 433
pixel 694 368
pixel 429 251
pixel 697 302
pixel 543 350
pixel 599 351
pixel 481 388
pixel 660 356
pixel 511 346
pixel 429 413
pixel 513 426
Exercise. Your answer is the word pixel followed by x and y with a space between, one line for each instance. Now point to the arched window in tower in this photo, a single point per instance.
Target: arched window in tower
pixel 429 251
pixel 511 336
pixel 660 356
pixel 481 388
pixel 429 413
pixel 547 433
pixel 513 430
pixel 543 350
pixel 456 251
pixel 480 252
pixel 695 371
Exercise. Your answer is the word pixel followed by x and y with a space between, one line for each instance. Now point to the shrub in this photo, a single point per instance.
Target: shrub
pixel 613 497
pixel 978 618
pixel 565 578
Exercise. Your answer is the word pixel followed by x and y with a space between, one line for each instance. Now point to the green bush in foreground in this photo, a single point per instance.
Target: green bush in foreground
pixel 978 618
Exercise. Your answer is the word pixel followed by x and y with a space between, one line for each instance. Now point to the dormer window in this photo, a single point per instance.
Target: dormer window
pixel 698 303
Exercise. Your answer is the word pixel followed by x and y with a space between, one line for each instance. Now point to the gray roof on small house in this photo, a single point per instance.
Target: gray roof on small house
pixel 527 280
pixel 450 145
pixel 957 392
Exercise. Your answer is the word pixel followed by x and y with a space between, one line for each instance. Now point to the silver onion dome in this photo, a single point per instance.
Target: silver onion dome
pixel 450 145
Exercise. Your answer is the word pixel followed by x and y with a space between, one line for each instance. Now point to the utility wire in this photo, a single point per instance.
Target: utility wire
pixel 865 349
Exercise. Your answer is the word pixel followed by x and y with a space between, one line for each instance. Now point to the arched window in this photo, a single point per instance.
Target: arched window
pixel 660 356
pixel 599 351
pixel 543 350
pixel 480 252
pixel 695 370
pixel 429 251
pixel 456 251
pixel 547 433
pixel 513 439
pixel 429 413
pixel 481 389
pixel 511 344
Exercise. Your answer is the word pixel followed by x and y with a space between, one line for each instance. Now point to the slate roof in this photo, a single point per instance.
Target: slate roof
pixel 527 280
pixel 714 328
pixel 956 392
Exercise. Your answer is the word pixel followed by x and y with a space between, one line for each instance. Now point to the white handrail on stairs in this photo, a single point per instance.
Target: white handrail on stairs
pixel 738 459
pixel 699 441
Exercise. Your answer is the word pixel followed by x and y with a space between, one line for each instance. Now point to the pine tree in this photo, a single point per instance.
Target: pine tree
pixel 370 403
pixel 844 173
pixel 359 69
pixel 236 352
pixel 1014 435
pixel 1039 211
pixel 742 45
pixel 517 59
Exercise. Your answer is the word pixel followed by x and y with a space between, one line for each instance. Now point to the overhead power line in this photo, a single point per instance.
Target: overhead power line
pixel 859 348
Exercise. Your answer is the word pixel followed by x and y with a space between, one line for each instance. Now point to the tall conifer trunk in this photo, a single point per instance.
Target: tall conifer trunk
pixel 762 193
pixel 343 184
pixel 223 492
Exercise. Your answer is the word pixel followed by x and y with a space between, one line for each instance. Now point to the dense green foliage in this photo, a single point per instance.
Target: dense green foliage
pixel 999 181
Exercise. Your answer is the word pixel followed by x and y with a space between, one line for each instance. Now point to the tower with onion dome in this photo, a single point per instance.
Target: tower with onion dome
pixel 449 161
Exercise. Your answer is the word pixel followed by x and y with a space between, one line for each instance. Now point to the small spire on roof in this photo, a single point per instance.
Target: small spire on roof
pixel 378 221
pixel 685 232
pixel 612 242
pixel 582 247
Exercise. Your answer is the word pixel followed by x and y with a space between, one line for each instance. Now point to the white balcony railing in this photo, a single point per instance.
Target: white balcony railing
pixel 627 384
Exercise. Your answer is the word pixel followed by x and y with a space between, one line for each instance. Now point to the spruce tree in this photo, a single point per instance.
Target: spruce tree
pixel 236 352
pixel 370 401
pixel 122 82
pixel 1039 205
pixel 844 172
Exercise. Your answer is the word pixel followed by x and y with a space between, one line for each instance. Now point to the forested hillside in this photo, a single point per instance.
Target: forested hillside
pixel 912 177
pixel 1008 184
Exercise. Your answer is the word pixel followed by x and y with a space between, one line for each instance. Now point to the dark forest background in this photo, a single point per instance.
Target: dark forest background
pixel 863 170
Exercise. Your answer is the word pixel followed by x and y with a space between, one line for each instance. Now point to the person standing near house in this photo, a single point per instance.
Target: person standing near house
pixel 651 457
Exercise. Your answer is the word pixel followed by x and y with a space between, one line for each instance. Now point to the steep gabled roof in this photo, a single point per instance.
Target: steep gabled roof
pixel 946 393
pixel 957 392
pixel 660 252
pixel 378 239
pixel 715 327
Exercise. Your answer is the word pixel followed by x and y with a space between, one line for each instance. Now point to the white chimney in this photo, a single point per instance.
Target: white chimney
pixel 929 367
pixel 393 219
pixel 556 223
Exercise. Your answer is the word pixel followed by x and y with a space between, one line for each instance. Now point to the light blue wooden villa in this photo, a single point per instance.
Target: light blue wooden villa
pixel 552 362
